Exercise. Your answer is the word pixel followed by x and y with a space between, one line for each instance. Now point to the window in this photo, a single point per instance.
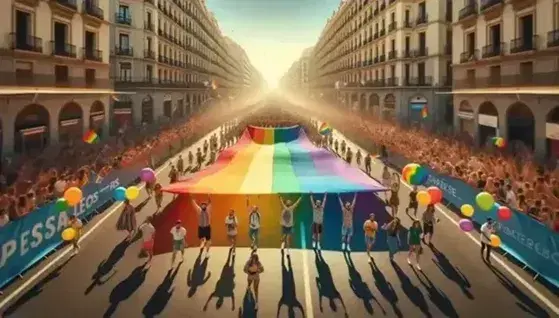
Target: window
pixel 494 75
pixel 61 74
pixel 123 41
pixel 125 72
pixel 89 77
pixel 149 73
pixel 123 11
pixel 24 72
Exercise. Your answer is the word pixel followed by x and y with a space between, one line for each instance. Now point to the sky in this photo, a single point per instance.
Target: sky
pixel 273 33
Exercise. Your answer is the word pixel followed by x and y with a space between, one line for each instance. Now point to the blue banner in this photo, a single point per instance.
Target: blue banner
pixel 526 239
pixel 26 241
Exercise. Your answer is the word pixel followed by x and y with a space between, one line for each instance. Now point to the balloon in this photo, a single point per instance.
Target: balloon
pixel 120 194
pixel 414 174
pixel 467 210
pixel 466 225
pixel 485 201
pixel 73 196
pixel 69 234
pixel 147 175
pixel 132 193
pixel 61 205
pixel 423 198
pixel 504 213
pixel 436 194
pixel 495 240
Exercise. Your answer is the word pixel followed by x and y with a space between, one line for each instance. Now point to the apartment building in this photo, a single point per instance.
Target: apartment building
pixel 172 55
pixel 506 72
pixel 54 72
pixel 296 79
pixel 390 58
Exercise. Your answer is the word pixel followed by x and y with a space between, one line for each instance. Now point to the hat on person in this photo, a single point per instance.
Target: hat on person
pixel 489 219
pixel 178 221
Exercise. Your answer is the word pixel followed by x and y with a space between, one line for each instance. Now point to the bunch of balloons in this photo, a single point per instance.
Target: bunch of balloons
pixel 432 195
pixel 130 193
pixel 72 196
pixel 147 175
pixel 414 174
pixel 499 142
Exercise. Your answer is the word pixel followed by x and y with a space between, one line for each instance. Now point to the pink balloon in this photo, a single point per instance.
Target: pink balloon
pixel 504 213
pixel 436 194
pixel 466 225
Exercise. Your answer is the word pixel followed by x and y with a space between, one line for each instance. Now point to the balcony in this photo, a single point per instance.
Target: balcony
pixel 420 52
pixel 30 79
pixel 468 14
pixel 164 59
pixel 375 35
pixel 123 19
pixel 407 54
pixel 382 32
pixel 469 56
pixel 90 54
pixel 420 81
pixel 123 51
pixel 491 9
pixel 150 1
pixel 131 83
pixel 522 4
pixel 26 43
pixel 492 50
pixel 421 19
pixel 520 45
pixel 382 6
pixel 509 81
pixel 149 26
pixel 62 49
pixel 91 9
pixel 392 55
pixel 392 26
pixel 553 38
pixel 149 54
pixel 70 5
pixel 382 58
pixel 407 25
pixel 375 60
pixel 392 81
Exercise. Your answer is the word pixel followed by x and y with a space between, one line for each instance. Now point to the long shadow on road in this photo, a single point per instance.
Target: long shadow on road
pixel 197 276
pixel 360 287
pixel 437 296
pixel 386 290
pixel 225 286
pixel 451 272
pixel 288 296
pixel 413 292
pixel 325 284
pixel 126 288
pixel 160 298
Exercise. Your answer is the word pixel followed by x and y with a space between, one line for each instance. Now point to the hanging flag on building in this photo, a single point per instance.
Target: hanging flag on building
pixel 91 137
pixel 424 112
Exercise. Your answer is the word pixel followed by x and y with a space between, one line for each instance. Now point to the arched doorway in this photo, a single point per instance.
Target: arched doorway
pixel 389 109
pixel 520 126
pixel 363 103
pixel 488 121
pixel 552 132
pixel 31 129
pixel 417 109
pixel 70 122
pixel 97 117
pixel 466 122
pixel 147 110
pixel 374 105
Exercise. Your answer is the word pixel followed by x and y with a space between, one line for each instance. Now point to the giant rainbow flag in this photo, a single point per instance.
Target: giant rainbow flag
pixel 276 160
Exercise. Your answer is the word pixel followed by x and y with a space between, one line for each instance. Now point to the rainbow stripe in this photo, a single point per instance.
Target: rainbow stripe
pixel 91 137
pixel 276 161
pixel 325 129
pixel 424 112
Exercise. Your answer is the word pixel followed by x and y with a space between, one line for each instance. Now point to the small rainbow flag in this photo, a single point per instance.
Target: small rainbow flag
pixel 424 112
pixel 325 129
pixel 91 137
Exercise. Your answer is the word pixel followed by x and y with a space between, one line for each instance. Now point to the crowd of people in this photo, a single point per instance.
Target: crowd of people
pixel 515 180
pixel 31 182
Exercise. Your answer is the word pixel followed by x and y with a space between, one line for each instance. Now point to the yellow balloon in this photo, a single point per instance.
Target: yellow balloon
pixel 69 234
pixel 467 210
pixel 423 197
pixel 495 240
pixel 73 196
pixel 132 193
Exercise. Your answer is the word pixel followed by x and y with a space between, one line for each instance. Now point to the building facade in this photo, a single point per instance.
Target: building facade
pixel 506 72
pixel 390 58
pixel 54 72
pixel 296 78
pixel 172 56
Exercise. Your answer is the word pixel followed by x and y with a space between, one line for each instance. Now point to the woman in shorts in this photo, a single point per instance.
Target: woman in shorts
pixel 253 269
pixel 157 189
pixel 394 200
pixel 413 201
pixel 414 241
pixel 386 181
pixel 231 224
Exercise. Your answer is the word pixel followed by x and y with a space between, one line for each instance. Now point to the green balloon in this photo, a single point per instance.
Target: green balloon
pixel 61 205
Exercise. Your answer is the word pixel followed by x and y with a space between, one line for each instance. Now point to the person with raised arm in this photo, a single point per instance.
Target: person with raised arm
pixel 347 225
pixel 204 212
pixel 254 224
pixel 286 221
pixel 318 219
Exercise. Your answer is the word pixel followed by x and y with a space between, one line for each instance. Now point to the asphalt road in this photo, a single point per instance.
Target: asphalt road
pixel 108 279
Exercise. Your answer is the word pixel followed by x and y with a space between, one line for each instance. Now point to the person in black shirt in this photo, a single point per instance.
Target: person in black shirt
pixel 413 201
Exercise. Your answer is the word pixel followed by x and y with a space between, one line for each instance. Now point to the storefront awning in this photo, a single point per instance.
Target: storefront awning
pixel 505 91
pixel 59 91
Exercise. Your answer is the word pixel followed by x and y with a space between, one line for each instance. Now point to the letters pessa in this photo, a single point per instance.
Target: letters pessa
pixel 89 201
pixel 441 184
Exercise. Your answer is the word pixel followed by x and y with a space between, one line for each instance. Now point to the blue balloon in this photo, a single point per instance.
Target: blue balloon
pixel 120 194
pixel 495 207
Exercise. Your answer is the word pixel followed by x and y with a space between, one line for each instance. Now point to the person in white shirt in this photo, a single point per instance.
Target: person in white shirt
pixel 231 224
pixel 254 224
pixel 318 219
pixel 204 212
pixel 510 198
pixel 487 229
pixel 286 221
pixel 148 233
pixel 179 240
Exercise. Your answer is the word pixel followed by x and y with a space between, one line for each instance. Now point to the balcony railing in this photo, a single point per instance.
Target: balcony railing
pixel 382 6
pixel 123 19
pixel 63 49
pixel 70 4
pixel 421 19
pixel 123 83
pixel 30 79
pixel 375 35
pixel 492 50
pixel 407 24
pixel 163 59
pixel 124 51
pixel 392 81
pixel 486 4
pixel 382 32
pixel 519 45
pixel 91 54
pixel 407 53
pixel 26 43
pixel 553 38
pixel 467 11
pixel 469 56
pixel 509 81
pixel 392 26
pixel 382 58
pixel 420 52
pixel 149 54
pixel 91 8
pixel 392 55
pixel 420 81
pixel 149 26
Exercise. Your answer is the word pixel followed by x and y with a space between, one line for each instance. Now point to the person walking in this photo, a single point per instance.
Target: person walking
pixel 148 233
pixel 318 219
pixel 253 268
pixel 429 219
pixel 231 224
pixel 254 225
pixel 392 229
pixel 347 223
pixel 414 242
pixel 75 223
pixel 127 220
pixel 204 212
pixel 413 205
pixel 179 241
pixel 370 228
pixel 487 229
